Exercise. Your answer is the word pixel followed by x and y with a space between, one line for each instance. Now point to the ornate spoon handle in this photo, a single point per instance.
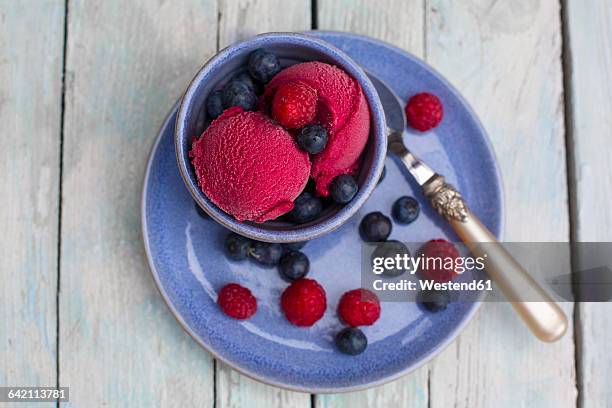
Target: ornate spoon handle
pixel 545 318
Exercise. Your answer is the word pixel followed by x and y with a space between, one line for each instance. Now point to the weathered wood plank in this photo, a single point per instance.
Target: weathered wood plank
pixel 505 57
pixel 127 63
pixel 31 55
pixel 236 390
pixel 589 60
pixel 239 20
pixel 398 22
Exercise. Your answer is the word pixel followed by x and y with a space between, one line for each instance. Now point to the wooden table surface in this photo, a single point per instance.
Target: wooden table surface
pixel 84 86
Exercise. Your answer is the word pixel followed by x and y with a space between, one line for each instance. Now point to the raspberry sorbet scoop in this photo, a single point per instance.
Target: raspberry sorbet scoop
pixel 342 109
pixel 249 166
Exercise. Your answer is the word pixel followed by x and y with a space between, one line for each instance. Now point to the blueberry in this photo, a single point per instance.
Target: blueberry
pixel 238 94
pixel 375 227
pixel 248 80
pixel 405 210
pixel 382 175
pixel 266 254
pixel 390 249
pixel 214 104
pixel 306 208
pixel 312 138
pixel 351 341
pixel 434 300
pixel 237 246
pixel 293 265
pixel 263 65
pixel 294 246
pixel 343 188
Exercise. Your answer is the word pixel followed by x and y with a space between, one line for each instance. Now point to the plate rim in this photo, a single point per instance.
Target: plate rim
pixel 452 336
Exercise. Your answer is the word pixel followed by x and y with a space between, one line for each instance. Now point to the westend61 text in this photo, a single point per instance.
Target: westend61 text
pixel 423 284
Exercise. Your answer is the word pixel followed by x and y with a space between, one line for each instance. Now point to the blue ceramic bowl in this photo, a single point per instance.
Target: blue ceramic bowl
pixel 291 48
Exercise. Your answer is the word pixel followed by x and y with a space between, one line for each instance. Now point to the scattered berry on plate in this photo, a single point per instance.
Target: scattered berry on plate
pixel 434 300
pixel 306 208
pixel 390 249
pixel 214 104
pixel 265 253
pixel 424 111
pixel 237 301
pixel 312 138
pixel 239 94
pixel 343 188
pixel 263 65
pixel 304 302
pixel 405 210
pixel 382 175
pixel 200 211
pixel 375 227
pixel 438 271
pixel 236 246
pixel 294 105
pixel 294 246
pixel 351 341
pixel 293 265
pixel 359 307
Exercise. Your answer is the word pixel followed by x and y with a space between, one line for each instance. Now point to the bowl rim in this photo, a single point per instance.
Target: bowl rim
pixel 378 140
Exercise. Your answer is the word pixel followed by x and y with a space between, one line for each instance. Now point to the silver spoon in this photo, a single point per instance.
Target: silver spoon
pixel 544 317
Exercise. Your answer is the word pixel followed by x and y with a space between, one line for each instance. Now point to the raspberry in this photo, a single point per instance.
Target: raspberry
pixel 359 307
pixel 237 301
pixel 304 302
pixel 294 105
pixel 424 111
pixel 435 264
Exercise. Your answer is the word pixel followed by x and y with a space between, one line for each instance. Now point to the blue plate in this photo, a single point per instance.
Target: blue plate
pixel 186 255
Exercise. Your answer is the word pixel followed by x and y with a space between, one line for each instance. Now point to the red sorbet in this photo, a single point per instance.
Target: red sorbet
pixel 249 166
pixel 342 109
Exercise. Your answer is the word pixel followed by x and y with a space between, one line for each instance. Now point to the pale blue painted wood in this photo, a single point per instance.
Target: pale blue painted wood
pixel 240 19
pixel 127 63
pixel 505 57
pixel 31 43
pixel 590 63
